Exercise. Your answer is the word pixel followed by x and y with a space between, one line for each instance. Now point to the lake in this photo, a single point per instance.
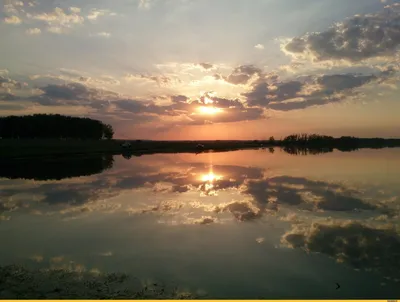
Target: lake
pixel 242 224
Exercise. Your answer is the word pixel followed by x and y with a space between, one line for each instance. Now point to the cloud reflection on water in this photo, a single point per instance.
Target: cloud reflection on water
pixel 355 225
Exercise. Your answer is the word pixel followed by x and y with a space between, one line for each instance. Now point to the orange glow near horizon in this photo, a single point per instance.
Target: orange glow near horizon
pixel 209 110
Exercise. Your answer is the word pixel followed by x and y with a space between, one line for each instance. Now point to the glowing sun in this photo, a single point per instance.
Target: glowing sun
pixel 210 177
pixel 209 110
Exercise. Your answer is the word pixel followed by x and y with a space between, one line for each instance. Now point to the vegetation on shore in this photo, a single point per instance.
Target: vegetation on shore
pixel 55 135
pixel 53 126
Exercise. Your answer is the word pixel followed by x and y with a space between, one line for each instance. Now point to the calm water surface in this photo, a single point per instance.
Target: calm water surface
pixel 243 224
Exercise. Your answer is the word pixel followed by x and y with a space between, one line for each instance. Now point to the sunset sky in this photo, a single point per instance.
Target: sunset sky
pixel 206 69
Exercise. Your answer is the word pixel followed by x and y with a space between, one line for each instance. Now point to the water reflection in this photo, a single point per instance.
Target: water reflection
pixel 275 218
pixel 55 168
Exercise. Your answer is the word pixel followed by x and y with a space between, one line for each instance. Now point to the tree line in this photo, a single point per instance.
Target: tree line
pixel 343 143
pixel 54 126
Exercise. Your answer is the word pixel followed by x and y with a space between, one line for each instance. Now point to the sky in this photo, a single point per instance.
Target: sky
pixel 205 69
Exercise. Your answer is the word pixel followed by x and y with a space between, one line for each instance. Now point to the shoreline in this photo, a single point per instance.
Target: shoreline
pixel 33 148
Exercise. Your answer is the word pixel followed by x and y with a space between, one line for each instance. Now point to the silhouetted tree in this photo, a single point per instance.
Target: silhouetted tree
pixel 108 131
pixel 54 126
pixel 271 140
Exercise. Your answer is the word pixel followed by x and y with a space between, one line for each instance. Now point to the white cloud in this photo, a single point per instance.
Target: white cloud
pixel 55 30
pixel 259 46
pixel 12 20
pixel 357 39
pixel 58 18
pixel 103 34
pixel 144 4
pixel 75 10
pixel 33 31
pixel 96 13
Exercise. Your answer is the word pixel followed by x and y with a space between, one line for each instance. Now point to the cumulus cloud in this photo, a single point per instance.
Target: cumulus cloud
pixel 259 46
pixel 33 31
pixel 59 17
pixel 358 38
pixel 206 66
pixel 13 20
pixel 75 10
pixel 103 34
pixel 58 21
pixel 306 91
pixel 309 195
pixel 243 74
pixel 358 245
pixel 94 14
pixel 7 85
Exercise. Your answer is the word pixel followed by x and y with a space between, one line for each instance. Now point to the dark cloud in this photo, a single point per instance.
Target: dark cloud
pixel 306 194
pixel 243 211
pixel 7 96
pixel 112 104
pixel 341 82
pixel 258 94
pixel 355 244
pixel 243 74
pixel 357 38
pixel 179 99
pixel 75 94
pixel 206 66
pixel 162 80
pixel 305 92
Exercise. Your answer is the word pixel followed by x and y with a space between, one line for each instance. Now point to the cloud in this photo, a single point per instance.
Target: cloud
pixel 7 85
pixel 72 94
pixel 175 110
pixel 358 245
pixel 259 46
pixel 33 31
pixel 94 14
pixel 308 195
pixel 13 20
pixel 103 34
pixel 75 10
pixel 58 21
pixel 306 91
pixel 206 66
pixel 145 4
pixel 160 80
pixel 243 74
pixel 356 39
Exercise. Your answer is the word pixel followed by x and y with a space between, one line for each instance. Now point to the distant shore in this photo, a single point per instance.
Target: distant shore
pixel 16 148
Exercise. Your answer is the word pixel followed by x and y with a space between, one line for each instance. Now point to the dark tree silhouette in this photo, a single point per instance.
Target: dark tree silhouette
pixel 54 126
pixel 56 168
pixel 344 143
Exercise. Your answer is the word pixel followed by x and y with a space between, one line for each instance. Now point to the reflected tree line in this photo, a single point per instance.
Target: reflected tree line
pixel 55 168
pixel 58 168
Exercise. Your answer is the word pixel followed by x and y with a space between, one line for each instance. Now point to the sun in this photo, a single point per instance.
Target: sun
pixel 210 177
pixel 209 110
